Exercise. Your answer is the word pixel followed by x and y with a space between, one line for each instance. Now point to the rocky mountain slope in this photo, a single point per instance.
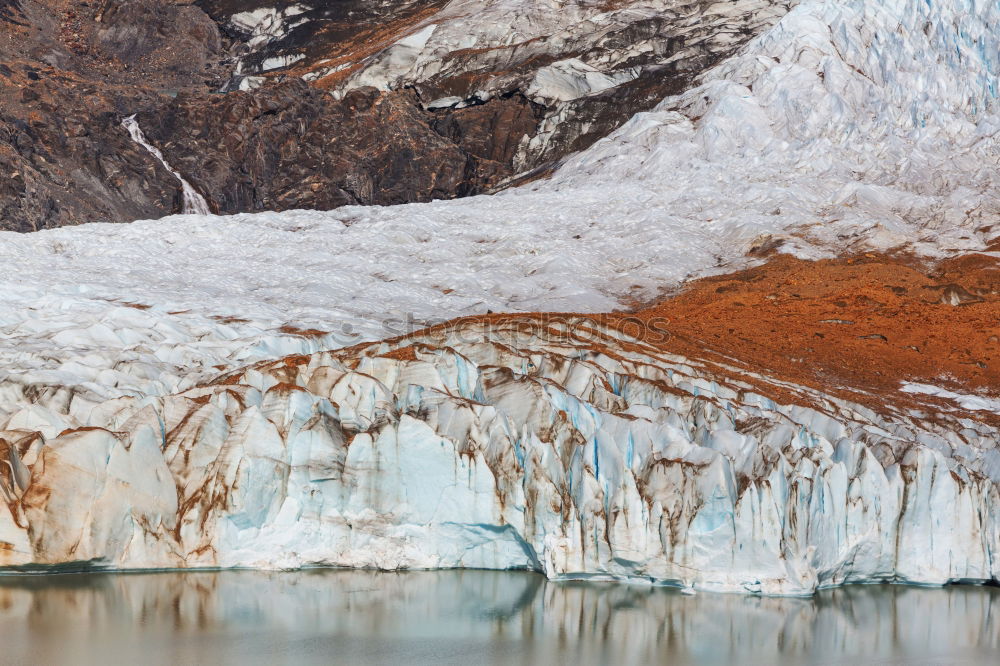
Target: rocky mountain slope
pixel 582 68
pixel 69 72
pixel 244 102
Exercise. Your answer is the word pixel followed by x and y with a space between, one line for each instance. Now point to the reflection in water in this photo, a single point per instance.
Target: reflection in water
pixel 475 617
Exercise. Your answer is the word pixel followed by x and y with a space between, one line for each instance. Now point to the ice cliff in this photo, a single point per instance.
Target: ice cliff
pixel 564 447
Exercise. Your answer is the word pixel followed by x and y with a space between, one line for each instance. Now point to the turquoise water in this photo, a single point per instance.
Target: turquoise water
pixel 475 617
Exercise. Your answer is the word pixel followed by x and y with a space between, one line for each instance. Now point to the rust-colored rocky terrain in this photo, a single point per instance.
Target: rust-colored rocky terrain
pixel 857 325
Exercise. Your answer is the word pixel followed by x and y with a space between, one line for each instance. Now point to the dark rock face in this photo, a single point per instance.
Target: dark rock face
pixel 61 165
pixel 306 134
pixel 289 145
pixel 176 39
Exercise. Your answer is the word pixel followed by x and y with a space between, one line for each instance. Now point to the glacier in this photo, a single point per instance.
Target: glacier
pixel 849 125
pixel 566 447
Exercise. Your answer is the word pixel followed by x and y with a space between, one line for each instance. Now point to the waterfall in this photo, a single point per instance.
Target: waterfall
pixel 194 203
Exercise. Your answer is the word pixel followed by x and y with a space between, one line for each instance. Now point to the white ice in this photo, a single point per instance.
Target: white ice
pixel 978 403
pixel 558 449
pixel 570 79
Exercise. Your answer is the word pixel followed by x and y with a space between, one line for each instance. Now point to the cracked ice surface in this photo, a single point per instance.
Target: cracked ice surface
pixel 571 450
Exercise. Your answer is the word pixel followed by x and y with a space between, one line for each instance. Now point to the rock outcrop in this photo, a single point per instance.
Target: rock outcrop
pixel 290 145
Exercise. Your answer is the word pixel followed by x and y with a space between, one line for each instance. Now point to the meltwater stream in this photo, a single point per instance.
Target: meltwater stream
pixel 194 203
pixel 475 617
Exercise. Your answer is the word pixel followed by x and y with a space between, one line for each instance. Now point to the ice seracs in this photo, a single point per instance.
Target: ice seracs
pixel 971 402
pixel 554 444
pixel 571 79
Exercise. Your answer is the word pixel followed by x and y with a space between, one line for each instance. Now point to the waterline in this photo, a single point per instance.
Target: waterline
pixel 463 617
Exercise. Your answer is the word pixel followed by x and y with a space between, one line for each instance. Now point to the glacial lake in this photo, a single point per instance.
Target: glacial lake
pixel 326 616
